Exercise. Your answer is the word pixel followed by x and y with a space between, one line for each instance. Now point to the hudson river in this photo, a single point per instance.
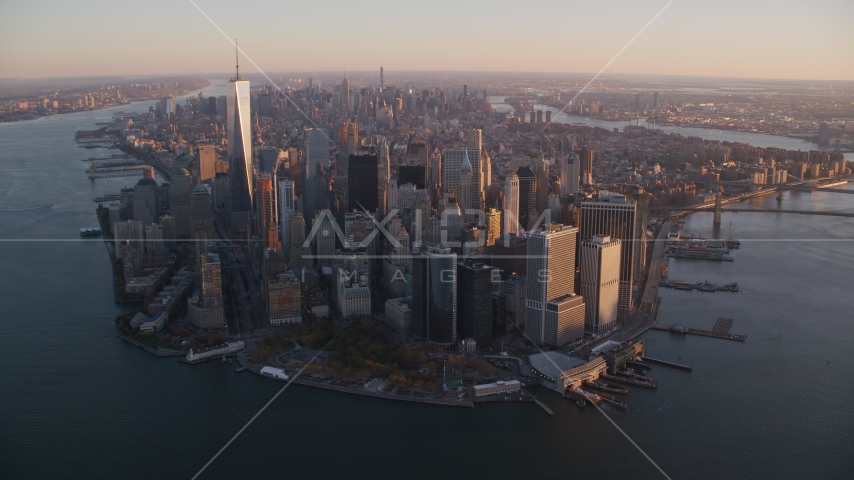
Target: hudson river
pixel 77 402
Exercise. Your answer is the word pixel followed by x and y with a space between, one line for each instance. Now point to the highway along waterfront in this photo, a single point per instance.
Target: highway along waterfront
pixel 79 403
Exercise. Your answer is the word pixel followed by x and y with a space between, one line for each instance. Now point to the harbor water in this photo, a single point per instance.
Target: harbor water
pixel 77 402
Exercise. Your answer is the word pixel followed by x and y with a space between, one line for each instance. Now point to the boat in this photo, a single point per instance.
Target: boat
pixel 580 402
pixel 240 369
pixel 90 231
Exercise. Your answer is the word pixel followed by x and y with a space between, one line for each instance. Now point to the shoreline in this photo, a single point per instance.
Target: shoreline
pixel 465 402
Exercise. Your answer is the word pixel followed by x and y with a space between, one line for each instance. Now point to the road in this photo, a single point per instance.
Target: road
pixel 249 312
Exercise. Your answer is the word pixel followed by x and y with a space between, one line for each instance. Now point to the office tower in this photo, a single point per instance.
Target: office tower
pixel 154 239
pixel 212 315
pixel 353 142
pixel 324 239
pixel 396 262
pixel 383 178
pixel 287 208
pixel 465 195
pixel 641 198
pixel 180 199
pixel 316 151
pixel 167 223
pixel 541 170
pixel 527 197
pixel 513 290
pixel 300 254
pixel 555 314
pixel 434 295
pixel 586 158
pixel 614 215
pixel 207 162
pixel 345 96
pixel 414 174
pixel 475 139
pixel 511 205
pixel 548 116
pixel 266 159
pixel 600 282
pixel 655 104
pixel 265 209
pixel 363 183
pixel 211 106
pixel 284 299
pixel 239 134
pixel 146 201
pixel 474 297
pixel 130 259
pixel 200 207
pixel 493 226
pixel 265 105
pixel 353 295
pixel 570 173
pixel 452 161
pixel 128 231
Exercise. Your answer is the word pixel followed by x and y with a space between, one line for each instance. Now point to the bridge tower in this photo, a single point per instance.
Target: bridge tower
pixel 717 220
pixel 780 195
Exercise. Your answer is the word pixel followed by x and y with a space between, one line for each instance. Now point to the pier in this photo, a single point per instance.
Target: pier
pixel 720 330
pixel 544 406
pixel 700 255
pixel 631 381
pixel 702 287
pixel 668 364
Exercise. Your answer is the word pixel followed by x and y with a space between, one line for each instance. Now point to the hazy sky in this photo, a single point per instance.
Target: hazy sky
pixel 727 38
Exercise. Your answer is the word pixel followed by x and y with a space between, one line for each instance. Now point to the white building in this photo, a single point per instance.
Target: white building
pixel 353 293
pixel 497 387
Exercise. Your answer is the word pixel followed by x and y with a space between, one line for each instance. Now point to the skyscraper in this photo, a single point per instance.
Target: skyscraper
pixel 600 282
pixel 452 161
pixel 316 150
pixel 210 315
pixel 465 195
pixel 474 296
pixel 555 314
pixel 527 196
pixel 207 162
pixel 434 295
pixel 239 134
pixel 614 215
pixel 363 183
pixel 569 173
pixel 511 205
pixel 265 204
pixel 287 208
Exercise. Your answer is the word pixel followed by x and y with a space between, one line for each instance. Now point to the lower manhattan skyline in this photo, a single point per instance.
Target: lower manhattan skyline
pixel 273 240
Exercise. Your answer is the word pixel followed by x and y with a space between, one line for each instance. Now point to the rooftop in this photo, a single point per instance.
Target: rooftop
pixel 553 364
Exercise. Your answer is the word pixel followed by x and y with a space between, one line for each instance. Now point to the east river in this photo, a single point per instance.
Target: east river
pixel 77 402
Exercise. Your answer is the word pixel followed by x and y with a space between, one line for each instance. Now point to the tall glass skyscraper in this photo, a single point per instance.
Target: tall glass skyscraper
pixel 434 295
pixel 239 151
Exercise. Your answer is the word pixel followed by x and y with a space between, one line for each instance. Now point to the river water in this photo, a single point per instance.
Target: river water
pixel 76 402
pixel 755 139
